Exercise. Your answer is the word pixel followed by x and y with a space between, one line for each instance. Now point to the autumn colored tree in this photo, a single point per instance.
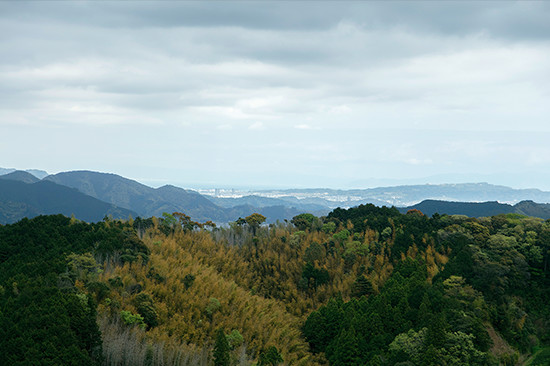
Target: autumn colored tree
pixel 254 221
pixel 271 357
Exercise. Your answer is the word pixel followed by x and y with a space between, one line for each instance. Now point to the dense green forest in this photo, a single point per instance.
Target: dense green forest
pixel 45 319
pixel 362 286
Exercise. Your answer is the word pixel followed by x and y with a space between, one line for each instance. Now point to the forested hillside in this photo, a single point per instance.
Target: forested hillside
pixel 363 286
pixel 480 209
pixel 138 197
pixel 45 317
pixel 147 201
pixel 20 176
pixel 19 199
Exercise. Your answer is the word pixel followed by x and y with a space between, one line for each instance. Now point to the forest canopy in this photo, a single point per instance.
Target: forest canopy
pixel 361 286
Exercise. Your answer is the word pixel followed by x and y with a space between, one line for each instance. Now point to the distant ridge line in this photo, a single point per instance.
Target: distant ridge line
pixel 480 209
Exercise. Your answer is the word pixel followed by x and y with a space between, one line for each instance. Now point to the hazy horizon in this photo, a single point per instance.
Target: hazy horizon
pixel 279 94
pixel 366 184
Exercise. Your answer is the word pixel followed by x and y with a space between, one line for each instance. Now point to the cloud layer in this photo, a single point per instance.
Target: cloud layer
pixel 277 93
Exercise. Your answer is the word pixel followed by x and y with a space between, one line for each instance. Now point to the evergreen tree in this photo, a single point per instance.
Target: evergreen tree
pixel 436 334
pixel 431 357
pixel 361 287
pixel 221 349
pixel 345 350
pixel 424 312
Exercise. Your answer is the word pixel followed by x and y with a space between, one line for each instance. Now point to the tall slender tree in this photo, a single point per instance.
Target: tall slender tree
pixel 221 349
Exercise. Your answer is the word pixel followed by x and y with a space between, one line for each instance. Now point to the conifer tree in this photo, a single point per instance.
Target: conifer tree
pixel 361 287
pixel 221 349
pixel 436 334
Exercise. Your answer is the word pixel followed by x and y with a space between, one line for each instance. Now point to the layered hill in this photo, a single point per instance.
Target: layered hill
pixel 530 208
pixel 481 209
pixel 407 195
pixel 19 199
pixel 36 172
pixel 144 200
pixel 21 176
pixel 276 205
pixel 265 202
pixel 147 201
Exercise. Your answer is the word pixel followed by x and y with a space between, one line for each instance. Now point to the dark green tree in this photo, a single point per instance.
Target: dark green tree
pixel 314 276
pixel 221 349
pixel 146 308
pixel 314 252
pixel 345 349
pixel 303 221
pixel 436 334
pixel 431 357
pixel 361 287
pixel 188 280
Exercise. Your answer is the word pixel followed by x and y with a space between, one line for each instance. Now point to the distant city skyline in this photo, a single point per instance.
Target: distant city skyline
pixel 279 94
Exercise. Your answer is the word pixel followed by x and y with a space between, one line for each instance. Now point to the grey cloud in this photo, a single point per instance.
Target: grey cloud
pixel 506 19
pixel 347 83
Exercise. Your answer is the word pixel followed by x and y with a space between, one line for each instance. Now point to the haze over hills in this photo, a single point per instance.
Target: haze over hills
pixel 40 174
pixel 136 199
pixel 144 200
pixel 21 176
pixel 225 205
pixel 399 196
pixel 260 202
pixel 481 209
pixel 19 200
pixel 147 201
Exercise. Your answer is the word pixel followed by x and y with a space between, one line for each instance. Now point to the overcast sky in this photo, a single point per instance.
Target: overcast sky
pixel 278 94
